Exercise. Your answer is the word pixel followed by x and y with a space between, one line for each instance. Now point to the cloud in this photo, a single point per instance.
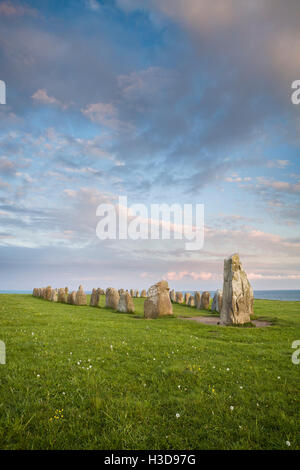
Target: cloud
pixel 92 5
pixel 9 9
pixel 42 96
pixel 105 114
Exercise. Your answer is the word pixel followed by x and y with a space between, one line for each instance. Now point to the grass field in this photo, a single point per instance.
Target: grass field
pixel 91 378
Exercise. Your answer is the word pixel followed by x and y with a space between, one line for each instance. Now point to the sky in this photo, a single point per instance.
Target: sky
pixel 161 101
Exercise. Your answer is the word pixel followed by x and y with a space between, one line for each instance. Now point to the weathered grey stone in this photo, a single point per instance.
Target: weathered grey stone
pixel 62 296
pixel 143 293
pixel 95 298
pixel 54 295
pixel 132 292
pixel 179 297
pixel 137 294
pixel 121 291
pixel 48 291
pixel 204 303
pixel 112 298
pixel 80 298
pixel 172 295
pixel 191 301
pixel 125 304
pixel 197 300
pixel 72 298
pixel 186 297
pixel 158 301
pixel 216 305
pixel 237 302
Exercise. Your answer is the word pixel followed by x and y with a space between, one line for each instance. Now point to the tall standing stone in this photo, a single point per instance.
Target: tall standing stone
pixel 143 293
pixel 237 302
pixel 216 305
pixel 125 304
pixel 48 291
pixel 186 297
pixel 191 301
pixel 204 303
pixel 158 302
pixel 112 298
pixel 95 298
pixel 132 292
pixel 72 298
pixel 173 296
pixel 54 295
pixel 62 296
pixel 80 298
pixel 179 298
pixel 197 300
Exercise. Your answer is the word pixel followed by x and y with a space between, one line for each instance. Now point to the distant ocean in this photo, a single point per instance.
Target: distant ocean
pixel 258 294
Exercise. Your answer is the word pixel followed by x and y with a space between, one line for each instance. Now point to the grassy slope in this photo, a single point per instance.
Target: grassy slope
pixel 143 373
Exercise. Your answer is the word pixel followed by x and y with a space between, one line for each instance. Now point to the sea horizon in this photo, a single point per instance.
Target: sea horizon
pixel 261 294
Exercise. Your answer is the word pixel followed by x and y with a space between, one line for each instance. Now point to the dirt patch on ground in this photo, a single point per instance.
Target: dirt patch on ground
pixel 216 321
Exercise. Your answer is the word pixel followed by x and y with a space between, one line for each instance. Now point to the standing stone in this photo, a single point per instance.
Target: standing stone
pixel 101 291
pixel 67 291
pixel 137 294
pixel 237 302
pixel 54 295
pixel 204 303
pixel 143 293
pixel 191 301
pixel 172 296
pixel 95 298
pixel 179 298
pixel 132 292
pixel 62 296
pixel 158 302
pixel 72 298
pixel 112 298
pixel 216 305
pixel 48 291
pixel 125 304
pixel 197 300
pixel 121 291
pixel 80 298
pixel 186 297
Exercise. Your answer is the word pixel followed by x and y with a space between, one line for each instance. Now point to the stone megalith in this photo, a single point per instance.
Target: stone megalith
pixel 72 298
pixel 62 296
pixel 173 296
pixel 237 301
pixel 121 291
pixel 197 298
pixel 179 298
pixel 137 294
pixel 204 303
pixel 143 293
pixel 216 305
pixel 186 297
pixel 95 298
pixel 125 304
pixel 112 298
pixel 48 291
pixel 158 303
pixel 80 298
pixel 132 292
pixel 191 301
pixel 54 295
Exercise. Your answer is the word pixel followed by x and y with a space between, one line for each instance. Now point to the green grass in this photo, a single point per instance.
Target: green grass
pixel 143 373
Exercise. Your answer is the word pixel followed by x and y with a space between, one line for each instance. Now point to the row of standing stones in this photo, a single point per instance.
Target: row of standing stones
pixel 234 303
